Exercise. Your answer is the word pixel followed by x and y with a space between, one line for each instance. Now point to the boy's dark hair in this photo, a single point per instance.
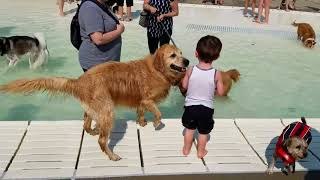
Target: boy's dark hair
pixel 208 48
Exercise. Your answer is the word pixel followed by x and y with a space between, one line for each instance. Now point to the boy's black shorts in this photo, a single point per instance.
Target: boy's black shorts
pixel 198 117
pixel 129 3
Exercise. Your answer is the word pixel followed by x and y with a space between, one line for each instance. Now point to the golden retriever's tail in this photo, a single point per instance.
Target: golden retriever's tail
pixel 54 85
pixel 234 74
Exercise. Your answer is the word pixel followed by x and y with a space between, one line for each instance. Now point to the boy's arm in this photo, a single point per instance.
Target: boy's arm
pixel 183 86
pixel 219 84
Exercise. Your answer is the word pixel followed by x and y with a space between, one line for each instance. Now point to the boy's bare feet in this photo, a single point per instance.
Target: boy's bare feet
pixel 186 151
pixel 201 153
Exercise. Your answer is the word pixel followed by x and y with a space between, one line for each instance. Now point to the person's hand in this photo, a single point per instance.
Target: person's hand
pixel 160 18
pixel 153 10
pixel 120 27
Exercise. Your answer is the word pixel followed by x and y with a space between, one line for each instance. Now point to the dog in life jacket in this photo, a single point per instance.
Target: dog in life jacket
pixel 292 145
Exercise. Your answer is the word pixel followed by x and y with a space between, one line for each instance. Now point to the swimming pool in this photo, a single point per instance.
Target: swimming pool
pixel 279 77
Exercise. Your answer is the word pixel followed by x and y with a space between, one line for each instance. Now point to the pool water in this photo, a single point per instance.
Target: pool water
pixel 279 77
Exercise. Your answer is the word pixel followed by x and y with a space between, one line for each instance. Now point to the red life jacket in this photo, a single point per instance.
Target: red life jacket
pixel 294 129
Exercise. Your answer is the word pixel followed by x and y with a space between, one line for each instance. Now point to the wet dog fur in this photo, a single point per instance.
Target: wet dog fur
pixel 306 34
pixel 14 47
pixel 139 84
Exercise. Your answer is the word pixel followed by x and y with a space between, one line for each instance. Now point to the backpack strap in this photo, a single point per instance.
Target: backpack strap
pixel 104 8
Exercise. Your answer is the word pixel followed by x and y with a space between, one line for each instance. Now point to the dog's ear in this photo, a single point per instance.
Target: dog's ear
pixel 158 60
pixel 5 45
pixel 2 46
pixel 314 43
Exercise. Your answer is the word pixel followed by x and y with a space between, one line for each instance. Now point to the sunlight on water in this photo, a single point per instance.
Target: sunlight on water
pixel 279 77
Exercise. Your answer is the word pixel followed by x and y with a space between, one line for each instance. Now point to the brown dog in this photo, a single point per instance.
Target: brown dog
pixel 228 78
pixel 139 84
pixel 306 34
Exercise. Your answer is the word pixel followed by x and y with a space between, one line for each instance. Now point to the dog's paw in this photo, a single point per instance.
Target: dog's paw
pixel 142 123
pixel 114 157
pixel 94 132
pixel 158 125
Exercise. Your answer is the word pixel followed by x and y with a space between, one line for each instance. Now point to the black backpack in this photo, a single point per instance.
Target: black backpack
pixel 75 36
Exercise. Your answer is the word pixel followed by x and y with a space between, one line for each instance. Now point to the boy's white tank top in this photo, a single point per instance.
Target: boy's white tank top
pixel 201 87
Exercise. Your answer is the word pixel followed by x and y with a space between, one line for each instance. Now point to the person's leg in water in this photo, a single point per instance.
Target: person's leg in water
pixel 253 7
pixel 60 5
pixel 267 10
pixel 260 9
pixel 201 148
pixel 188 140
pixel 245 11
pixel 129 4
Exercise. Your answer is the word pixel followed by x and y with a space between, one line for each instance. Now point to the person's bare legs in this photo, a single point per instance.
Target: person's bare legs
pixel 245 11
pixel 202 142
pixel 260 9
pixel 267 10
pixel 120 13
pixel 129 15
pixel 188 140
pixel 61 4
pixel 253 6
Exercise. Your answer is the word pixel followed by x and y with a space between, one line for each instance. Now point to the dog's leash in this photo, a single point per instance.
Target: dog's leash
pixel 164 28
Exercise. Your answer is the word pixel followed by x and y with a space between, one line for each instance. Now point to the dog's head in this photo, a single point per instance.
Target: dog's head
pixel 4 46
pixel 309 43
pixel 168 60
pixel 297 147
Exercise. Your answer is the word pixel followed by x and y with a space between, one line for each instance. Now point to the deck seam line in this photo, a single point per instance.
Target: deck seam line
pixel 202 159
pixel 140 148
pixel 234 121
pixel 16 151
pixel 78 156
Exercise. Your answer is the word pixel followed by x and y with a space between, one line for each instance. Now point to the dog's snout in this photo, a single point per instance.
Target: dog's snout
pixel 305 154
pixel 185 62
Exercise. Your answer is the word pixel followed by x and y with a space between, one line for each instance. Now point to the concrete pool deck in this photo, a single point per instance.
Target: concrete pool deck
pixel 60 150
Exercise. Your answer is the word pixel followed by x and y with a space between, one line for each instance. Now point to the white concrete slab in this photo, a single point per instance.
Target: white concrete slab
pixel 265 143
pixel 124 142
pixel 222 158
pixel 162 150
pixel 49 150
pixel 11 133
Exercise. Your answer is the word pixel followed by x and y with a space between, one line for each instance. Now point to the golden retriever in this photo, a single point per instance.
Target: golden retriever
pixel 306 34
pixel 139 84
